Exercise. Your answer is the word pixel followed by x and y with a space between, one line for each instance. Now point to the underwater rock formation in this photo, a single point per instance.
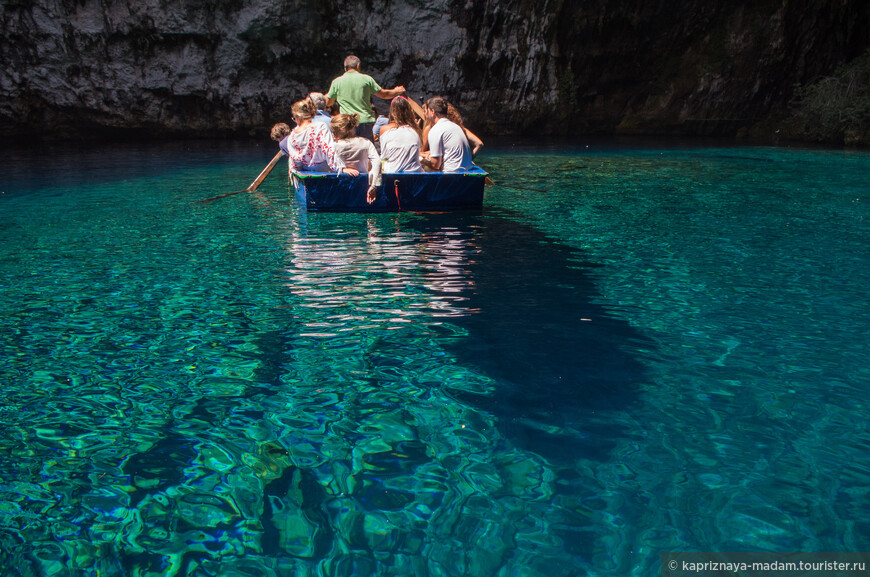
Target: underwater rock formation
pixel 78 68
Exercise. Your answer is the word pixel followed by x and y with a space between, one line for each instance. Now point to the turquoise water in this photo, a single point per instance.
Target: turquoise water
pixel 645 349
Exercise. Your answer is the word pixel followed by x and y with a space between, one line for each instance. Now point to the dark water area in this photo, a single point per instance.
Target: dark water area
pixel 538 331
pixel 56 165
pixel 632 349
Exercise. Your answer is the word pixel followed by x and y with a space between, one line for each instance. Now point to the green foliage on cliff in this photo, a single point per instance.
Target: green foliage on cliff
pixel 836 108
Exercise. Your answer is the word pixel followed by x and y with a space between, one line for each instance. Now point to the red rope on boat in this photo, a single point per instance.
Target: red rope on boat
pixel 396 184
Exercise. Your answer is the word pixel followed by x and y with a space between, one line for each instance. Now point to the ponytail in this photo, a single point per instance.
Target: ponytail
pixel 304 109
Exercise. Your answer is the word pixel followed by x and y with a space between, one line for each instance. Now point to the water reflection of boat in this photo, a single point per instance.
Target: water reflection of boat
pixel 389 278
pixel 417 191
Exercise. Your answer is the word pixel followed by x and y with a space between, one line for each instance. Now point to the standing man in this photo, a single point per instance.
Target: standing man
pixel 353 91
pixel 449 150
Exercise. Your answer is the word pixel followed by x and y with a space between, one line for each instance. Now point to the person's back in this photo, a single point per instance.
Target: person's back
pixel 355 154
pixel 449 150
pixel 310 148
pixel 379 123
pixel 400 139
pixel 353 91
pixel 447 140
pixel 400 149
pixel 310 145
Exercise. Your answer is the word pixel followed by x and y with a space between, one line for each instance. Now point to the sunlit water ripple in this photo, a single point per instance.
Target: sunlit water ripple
pixel 645 350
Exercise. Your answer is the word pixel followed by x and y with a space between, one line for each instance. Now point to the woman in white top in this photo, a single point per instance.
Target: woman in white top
pixel 355 154
pixel 400 139
pixel 309 146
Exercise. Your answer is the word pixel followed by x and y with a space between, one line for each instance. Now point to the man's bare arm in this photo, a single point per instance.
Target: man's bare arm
pixel 391 93
pixel 433 162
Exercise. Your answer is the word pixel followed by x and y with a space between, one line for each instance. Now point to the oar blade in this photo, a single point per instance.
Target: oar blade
pixel 224 195
pixel 254 184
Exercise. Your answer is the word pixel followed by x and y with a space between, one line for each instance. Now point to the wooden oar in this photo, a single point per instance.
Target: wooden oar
pixel 254 184
pixel 415 106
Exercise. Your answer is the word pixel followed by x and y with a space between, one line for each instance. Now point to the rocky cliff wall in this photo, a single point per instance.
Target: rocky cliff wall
pixel 219 67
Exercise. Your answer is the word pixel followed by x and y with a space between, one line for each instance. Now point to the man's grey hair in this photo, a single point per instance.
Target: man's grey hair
pixel 351 62
pixel 318 99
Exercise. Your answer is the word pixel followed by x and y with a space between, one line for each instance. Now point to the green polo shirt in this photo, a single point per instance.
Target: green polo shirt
pixel 353 92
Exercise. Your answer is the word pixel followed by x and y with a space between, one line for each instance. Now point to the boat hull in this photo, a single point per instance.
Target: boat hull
pixel 406 191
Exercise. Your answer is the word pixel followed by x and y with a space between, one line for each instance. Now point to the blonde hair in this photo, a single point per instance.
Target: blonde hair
pixel 304 109
pixel 343 125
pixel 279 131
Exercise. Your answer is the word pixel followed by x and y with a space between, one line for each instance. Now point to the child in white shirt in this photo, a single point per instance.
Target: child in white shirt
pixel 356 154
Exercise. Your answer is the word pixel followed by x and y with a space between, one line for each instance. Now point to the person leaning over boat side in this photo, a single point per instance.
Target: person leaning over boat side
pixel 473 140
pixel 356 154
pixel 400 139
pixel 320 115
pixel 279 133
pixel 309 146
pixel 353 91
pixel 449 150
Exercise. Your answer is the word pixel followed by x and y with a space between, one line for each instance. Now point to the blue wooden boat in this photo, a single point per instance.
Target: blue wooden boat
pixel 402 191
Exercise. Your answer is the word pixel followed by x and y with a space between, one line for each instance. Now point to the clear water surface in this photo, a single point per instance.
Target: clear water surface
pixel 630 350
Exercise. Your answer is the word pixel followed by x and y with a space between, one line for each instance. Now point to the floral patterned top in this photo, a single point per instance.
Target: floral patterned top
pixel 311 149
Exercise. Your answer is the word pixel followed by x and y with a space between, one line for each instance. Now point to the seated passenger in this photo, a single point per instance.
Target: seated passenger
pixel 310 145
pixel 380 107
pixel 320 114
pixel 449 150
pixel 400 139
pixel 453 114
pixel 356 154
pixel 473 140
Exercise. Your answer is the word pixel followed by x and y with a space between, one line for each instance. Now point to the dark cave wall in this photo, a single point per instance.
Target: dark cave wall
pixel 655 67
pixel 81 68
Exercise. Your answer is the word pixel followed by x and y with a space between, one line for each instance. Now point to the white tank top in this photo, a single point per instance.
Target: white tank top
pixel 400 150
